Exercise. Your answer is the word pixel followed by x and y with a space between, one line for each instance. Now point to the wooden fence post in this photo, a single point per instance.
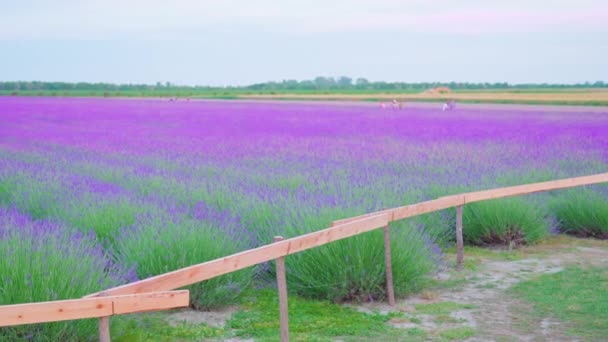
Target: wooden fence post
pixel 282 287
pixel 390 291
pixel 459 240
pixel 104 325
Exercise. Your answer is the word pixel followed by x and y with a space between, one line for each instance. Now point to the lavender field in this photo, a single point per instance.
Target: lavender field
pixel 144 187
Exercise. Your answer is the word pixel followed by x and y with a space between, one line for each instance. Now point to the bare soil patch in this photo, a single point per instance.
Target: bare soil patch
pixel 496 315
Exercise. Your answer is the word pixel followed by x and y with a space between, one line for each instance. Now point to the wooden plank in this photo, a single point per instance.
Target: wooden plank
pixel 210 269
pixel 388 264
pixel 459 239
pixel 360 217
pixel 54 311
pixel 282 288
pixel 104 329
pixel 89 307
pixel 426 207
pixel 410 210
pixel 151 302
pixel 455 200
pixel 535 187
pixel 104 324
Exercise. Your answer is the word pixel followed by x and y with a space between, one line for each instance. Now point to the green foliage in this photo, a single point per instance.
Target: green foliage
pixel 319 83
pixel 457 334
pixel 32 195
pixel 582 212
pixel 40 261
pixel 353 269
pixel 309 320
pixel 158 244
pixel 155 327
pixel 47 199
pixel 104 216
pixel 576 296
pixel 509 221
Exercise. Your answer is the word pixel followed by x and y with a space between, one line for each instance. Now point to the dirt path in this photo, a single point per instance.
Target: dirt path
pixel 492 313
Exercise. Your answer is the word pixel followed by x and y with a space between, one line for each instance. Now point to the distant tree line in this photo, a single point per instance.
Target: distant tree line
pixel 319 83
pixel 86 86
pixel 343 82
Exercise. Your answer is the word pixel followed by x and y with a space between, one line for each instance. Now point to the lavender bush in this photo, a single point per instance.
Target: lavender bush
pixel 43 261
pixel 353 269
pixel 510 222
pixel 582 212
pixel 136 170
pixel 158 244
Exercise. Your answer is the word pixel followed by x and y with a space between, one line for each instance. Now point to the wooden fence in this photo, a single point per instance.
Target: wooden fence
pixel 155 293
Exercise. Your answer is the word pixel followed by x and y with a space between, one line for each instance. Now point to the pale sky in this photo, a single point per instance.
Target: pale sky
pixel 242 42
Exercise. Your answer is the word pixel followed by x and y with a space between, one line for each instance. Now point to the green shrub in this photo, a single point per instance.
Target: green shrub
pixel 508 221
pixel 158 244
pixel 105 216
pixel 42 261
pixel 51 199
pixel 30 194
pixel 582 212
pixel 353 268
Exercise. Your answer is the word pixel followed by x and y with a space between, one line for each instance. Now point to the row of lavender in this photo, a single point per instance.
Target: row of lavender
pixel 133 188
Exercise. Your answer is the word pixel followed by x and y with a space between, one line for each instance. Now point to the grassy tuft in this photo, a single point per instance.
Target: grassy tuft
pixel 353 269
pixel 583 213
pixel 104 217
pixel 157 244
pixel 457 334
pixel 509 221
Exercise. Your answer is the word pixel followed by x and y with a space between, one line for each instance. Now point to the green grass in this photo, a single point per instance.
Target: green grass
pixel 476 252
pixel 441 308
pixel 578 297
pixel 155 327
pixel 309 320
pixel 457 334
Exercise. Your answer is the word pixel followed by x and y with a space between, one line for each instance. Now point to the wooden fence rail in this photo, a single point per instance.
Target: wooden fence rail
pixel 63 310
pixel 140 294
pixel 470 197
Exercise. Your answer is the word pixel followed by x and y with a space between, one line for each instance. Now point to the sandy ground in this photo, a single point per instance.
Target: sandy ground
pixel 497 316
